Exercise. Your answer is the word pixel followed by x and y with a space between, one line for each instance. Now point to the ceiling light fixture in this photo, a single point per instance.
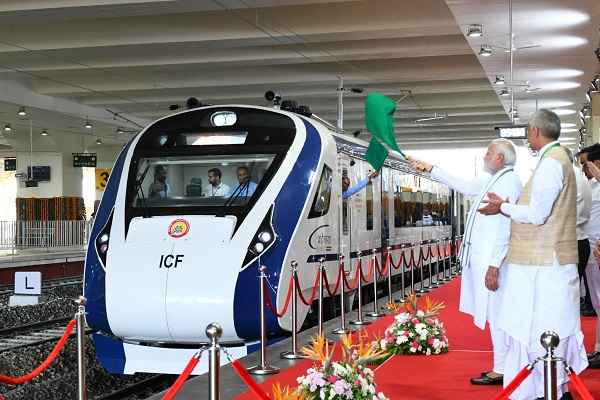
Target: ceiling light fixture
pixel 435 116
pixel 44 132
pixel 475 30
pixel 485 50
pixel 120 131
pixel 499 80
pixel 88 124
pixel 22 112
pixel 98 141
pixel 504 92
pixel 7 128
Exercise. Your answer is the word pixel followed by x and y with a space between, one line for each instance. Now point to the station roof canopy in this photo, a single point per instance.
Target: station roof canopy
pixel 122 63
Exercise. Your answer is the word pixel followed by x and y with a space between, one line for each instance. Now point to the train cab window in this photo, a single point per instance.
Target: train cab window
pixel 398 220
pixel 184 181
pixel 322 199
pixel 369 205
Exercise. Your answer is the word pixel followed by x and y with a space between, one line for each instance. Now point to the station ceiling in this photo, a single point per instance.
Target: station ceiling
pixel 122 63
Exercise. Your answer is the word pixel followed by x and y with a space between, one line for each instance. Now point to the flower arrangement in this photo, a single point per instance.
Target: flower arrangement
pixel 415 331
pixel 348 378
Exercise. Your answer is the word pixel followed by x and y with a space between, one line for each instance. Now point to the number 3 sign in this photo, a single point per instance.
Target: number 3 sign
pixel 102 175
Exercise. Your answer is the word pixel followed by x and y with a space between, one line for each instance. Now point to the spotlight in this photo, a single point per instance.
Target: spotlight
pixel 356 90
pixel 583 131
pixel 22 112
pixel 98 141
pixel 174 107
pixel 7 128
pixel 274 97
pixel 504 93
pixel 192 102
pixel 88 124
pixel 356 133
pixel 44 132
pixel 499 80
pixel 485 50
pixel 120 131
pixel 475 30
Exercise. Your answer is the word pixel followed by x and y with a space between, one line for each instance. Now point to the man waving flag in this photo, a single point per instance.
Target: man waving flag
pixel 379 115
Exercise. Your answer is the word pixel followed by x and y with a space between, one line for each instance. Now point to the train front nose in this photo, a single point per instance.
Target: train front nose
pixel 173 278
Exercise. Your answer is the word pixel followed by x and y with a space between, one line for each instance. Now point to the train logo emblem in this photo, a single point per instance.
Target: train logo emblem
pixel 179 228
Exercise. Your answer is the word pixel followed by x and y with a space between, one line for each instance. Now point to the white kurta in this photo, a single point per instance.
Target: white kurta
pixel 592 270
pixel 540 298
pixel 488 241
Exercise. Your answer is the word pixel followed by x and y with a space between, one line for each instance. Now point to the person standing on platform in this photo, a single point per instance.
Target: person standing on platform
pixel 541 280
pixel 590 160
pixel 484 245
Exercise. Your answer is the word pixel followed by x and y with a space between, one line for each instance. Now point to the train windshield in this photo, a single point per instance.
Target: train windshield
pixel 196 181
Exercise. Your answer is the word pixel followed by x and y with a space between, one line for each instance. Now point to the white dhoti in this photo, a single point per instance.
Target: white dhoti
pixel 483 304
pixel 539 299
pixel 592 272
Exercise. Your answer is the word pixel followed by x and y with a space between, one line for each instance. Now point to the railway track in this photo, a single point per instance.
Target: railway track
pixel 154 383
pixel 33 334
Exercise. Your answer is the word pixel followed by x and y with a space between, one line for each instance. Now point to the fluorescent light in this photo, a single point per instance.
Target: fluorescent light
pixel 564 111
pixel 98 141
pixel 44 132
pixel 22 112
pixel 567 125
pixel 88 124
pixel 7 128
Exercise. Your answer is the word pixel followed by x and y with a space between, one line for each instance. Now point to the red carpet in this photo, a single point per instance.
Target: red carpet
pixel 446 376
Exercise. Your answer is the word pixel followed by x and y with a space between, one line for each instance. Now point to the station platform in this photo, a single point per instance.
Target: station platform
pixel 54 263
pixel 439 377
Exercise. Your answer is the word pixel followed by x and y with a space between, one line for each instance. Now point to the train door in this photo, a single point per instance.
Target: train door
pixel 344 228
pixel 365 209
pixel 386 206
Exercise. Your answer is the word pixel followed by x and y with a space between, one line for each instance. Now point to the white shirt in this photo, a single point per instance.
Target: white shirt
pixel 584 203
pixel 221 190
pixel 546 186
pixel 592 228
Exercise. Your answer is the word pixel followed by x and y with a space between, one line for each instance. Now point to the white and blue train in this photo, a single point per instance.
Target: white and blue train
pixel 170 253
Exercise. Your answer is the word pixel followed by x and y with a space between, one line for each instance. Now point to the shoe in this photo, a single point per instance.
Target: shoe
pixel 594 360
pixel 486 380
pixel 485 373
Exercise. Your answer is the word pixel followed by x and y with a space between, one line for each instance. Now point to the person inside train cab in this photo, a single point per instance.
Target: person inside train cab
pixel 159 189
pixel 215 187
pixel 348 191
pixel 246 186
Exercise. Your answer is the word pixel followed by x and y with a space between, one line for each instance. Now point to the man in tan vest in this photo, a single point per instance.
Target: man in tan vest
pixel 542 285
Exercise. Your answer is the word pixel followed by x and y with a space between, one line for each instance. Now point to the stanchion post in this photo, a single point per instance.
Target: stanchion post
pixel 321 293
pixel 359 320
pixel 422 288
pixel 294 355
pixel 435 284
pixel 263 368
pixel 445 261
pixel 342 330
pixel 214 332
pixel 376 313
pixel 550 341
pixel 412 270
pixel 388 257
pixel 402 283
pixel 453 258
pixel 81 367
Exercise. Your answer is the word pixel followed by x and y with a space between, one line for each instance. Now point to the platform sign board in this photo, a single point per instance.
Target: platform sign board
pixel 84 160
pixel 10 164
pixel 102 175
pixel 28 282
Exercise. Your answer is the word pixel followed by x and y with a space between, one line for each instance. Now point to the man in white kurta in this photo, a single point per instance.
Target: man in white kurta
pixel 485 245
pixel 542 289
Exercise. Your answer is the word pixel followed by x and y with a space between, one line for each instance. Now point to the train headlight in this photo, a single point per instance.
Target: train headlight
pixel 103 238
pixel 259 247
pixel 265 236
pixel 103 248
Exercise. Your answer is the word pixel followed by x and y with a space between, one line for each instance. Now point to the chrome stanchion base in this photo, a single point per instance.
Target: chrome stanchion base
pixel 375 314
pixel 290 355
pixel 263 370
pixel 422 291
pixel 340 331
pixel 360 322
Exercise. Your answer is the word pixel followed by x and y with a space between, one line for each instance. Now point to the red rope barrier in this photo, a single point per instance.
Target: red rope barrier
pixel 174 389
pixel 313 294
pixel 577 386
pixel 337 283
pixel 286 304
pixel 354 284
pixel 44 365
pixel 247 379
pixel 383 271
pixel 369 272
pixel 515 383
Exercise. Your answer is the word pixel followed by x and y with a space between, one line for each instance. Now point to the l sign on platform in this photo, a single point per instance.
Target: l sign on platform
pixel 28 283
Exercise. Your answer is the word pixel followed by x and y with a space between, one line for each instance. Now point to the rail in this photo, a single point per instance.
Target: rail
pixel 21 235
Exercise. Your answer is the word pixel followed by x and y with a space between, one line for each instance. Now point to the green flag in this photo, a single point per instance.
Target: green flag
pixel 379 116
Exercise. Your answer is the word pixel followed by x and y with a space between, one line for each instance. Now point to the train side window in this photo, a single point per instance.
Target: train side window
pixel 369 196
pixel 322 199
pixel 398 220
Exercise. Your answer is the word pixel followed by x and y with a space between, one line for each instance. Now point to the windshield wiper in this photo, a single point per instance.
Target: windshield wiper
pixel 233 197
pixel 140 192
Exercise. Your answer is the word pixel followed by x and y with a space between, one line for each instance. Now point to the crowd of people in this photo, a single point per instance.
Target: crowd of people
pixel 525 255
